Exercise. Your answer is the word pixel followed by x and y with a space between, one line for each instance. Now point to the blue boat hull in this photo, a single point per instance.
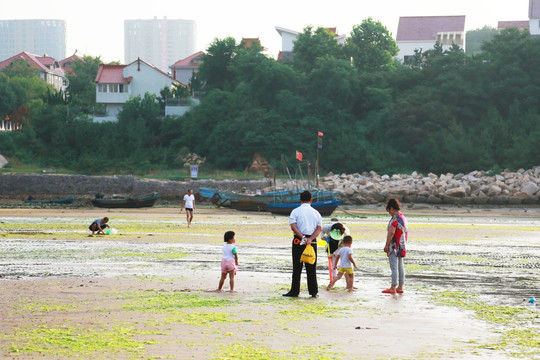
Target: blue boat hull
pixel 325 207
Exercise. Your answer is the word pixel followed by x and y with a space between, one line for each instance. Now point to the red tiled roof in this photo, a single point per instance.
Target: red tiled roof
pixel 29 58
pixel 250 41
pixel 46 60
pixel 70 59
pixel 522 25
pixel 114 74
pixel 111 74
pixel 534 9
pixel 67 62
pixel 190 61
pixel 41 63
pixel 418 28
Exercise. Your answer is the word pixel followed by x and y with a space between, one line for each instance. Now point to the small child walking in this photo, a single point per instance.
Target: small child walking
pixel 345 256
pixel 229 261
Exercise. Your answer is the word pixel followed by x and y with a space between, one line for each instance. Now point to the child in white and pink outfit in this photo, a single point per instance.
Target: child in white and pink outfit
pixel 229 261
pixel 345 257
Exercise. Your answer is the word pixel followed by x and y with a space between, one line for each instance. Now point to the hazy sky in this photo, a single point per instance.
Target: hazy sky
pixel 96 28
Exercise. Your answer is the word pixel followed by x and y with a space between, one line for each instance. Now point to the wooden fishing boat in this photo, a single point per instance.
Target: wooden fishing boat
pixel 67 200
pixel 147 200
pixel 247 202
pixel 325 207
pixel 281 201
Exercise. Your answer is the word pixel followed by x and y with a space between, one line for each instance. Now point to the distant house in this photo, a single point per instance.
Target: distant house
pixel 67 62
pixel 534 17
pixel 521 25
pixel 49 68
pixel 115 84
pixel 250 41
pixel 184 69
pixel 422 32
pixel 288 37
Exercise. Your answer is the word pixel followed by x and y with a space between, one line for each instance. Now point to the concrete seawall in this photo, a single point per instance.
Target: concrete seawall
pixel 80 186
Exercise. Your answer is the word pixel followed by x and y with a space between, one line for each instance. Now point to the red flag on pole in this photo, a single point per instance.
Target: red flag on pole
pixel 299 156
pixel 320 134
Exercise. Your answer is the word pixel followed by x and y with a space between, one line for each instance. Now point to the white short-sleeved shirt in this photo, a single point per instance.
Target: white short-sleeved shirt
pixel 189 199
pixel 229 250
pixel 344 253
pixel 306 219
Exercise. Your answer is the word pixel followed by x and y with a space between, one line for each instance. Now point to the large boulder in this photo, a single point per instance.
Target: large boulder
pixel 458 192
pixel 530 188
pixel 494 190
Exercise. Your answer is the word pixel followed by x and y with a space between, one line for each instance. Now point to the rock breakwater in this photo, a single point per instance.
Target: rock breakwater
pixel 476 187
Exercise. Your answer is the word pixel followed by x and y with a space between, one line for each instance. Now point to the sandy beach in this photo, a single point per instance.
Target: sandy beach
pixel 145 291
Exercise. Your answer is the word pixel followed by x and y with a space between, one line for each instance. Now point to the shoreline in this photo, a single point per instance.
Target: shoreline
pixel 148 285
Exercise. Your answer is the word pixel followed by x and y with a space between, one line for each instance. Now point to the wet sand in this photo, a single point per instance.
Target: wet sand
pixel 147 287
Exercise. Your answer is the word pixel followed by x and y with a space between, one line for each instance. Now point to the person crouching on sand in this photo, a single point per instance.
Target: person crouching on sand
pixel 98 225
pixel 229 261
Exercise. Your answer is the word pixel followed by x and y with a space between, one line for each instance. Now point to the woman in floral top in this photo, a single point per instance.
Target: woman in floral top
pixel 395 247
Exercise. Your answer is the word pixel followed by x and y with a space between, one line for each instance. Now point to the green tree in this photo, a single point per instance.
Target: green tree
pixel 260 78
pixel 82 86
pixel 9 100
pixel 20 68
pixel 312 44
pixel 371 46
pixel 214 70
pixel 477 37
pixel 511 69
pixel 137 132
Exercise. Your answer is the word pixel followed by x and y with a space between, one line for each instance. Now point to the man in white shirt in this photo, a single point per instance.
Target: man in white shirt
pixel 189 205
pixel 306 224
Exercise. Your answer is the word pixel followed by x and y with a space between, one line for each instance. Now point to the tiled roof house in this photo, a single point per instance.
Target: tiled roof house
pixel 422 32
pixel 288 38
pixel 66 63
pixel 521 25
pixel 49 69
pixel 116 83
pixel 184 69
pixel 534 17
pixel 250 41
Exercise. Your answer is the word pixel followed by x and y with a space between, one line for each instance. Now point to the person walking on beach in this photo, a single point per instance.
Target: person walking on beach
pixel 306 224
pixel 396 245
pixel 345 256
pixel 229 261
pixel 98 225
pixel 189 205
pixel 333 234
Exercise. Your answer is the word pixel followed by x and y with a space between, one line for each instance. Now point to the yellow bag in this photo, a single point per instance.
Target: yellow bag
pixel 308 256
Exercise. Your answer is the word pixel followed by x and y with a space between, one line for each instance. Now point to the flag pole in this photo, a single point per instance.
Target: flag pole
pixel 317 165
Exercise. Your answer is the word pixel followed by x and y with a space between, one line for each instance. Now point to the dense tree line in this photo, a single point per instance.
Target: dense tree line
pixel 443 111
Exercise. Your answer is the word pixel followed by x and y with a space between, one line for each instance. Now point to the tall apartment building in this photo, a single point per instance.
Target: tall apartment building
pixel 40 36
pixel 160 42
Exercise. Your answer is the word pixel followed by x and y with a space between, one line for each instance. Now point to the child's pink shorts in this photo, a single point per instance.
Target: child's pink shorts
pixel 227 266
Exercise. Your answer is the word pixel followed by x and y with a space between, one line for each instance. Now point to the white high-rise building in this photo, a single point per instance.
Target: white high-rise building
pixel 534 17
pixel 160 42
pixel 42 37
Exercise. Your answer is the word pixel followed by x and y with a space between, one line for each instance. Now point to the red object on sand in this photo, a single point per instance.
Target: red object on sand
pixel 330 268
